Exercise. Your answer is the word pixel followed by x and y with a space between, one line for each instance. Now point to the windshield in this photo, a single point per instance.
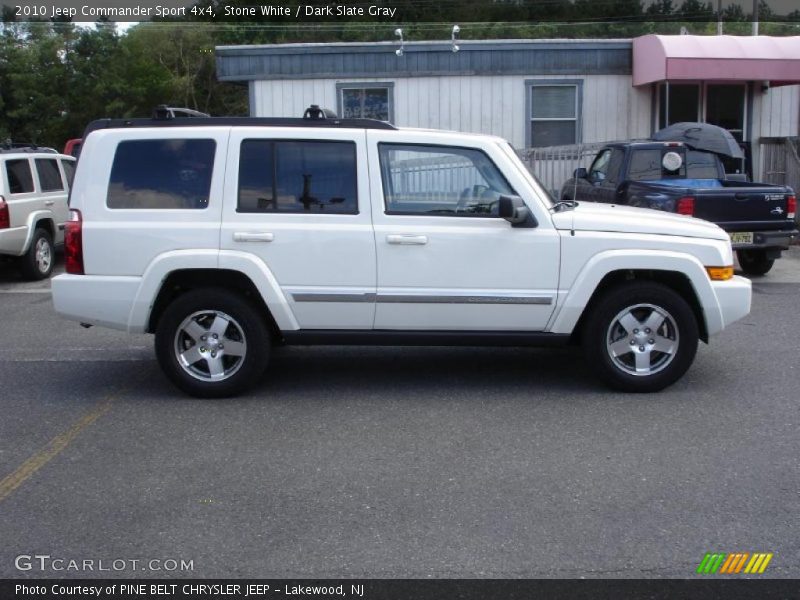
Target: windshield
pixel 537 185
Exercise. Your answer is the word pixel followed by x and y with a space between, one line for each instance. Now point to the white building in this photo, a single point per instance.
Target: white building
pixel 538 93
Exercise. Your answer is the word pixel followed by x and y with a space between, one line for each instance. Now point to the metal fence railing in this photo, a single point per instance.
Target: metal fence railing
pixel 433 179
pixel 553 165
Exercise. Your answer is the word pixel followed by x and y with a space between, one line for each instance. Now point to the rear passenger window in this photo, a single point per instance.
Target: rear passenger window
pixel 701 165
pixel 49 175
pixel 69 170
pixel 20 179
pixel 298 177
pixel 645 165
pixel 161 174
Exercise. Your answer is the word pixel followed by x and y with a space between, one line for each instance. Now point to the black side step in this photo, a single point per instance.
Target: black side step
pixel 387 337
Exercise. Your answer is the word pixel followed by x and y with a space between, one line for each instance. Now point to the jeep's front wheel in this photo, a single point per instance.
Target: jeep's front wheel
pixel 641 337
pixel 212 344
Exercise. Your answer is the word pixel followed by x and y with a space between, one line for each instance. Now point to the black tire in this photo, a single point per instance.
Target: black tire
pixel 754 262
pixel 197 311
pixel 37 263
pixel 605 333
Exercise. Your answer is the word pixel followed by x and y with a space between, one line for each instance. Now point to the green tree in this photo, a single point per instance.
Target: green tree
pixel 695 10
pixel 177 64
pixel 35 73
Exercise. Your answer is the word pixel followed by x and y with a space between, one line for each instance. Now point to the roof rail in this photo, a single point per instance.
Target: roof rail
pixel 166 116
pixel 238 121
pixel 162 111
pixel 8 147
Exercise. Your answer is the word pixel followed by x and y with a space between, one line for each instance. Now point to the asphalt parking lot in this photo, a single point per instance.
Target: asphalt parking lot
pixel 411 462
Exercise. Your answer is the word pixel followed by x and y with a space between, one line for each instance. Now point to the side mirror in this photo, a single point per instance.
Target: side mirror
pixel 581 173
pixel 513 210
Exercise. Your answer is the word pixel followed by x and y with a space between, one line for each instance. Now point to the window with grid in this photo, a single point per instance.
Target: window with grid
pixel 554 118
pixel 365 101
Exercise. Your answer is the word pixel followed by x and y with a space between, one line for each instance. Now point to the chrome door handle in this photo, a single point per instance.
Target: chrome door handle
pixel 49 203
pixel 253 236
pixel 407 240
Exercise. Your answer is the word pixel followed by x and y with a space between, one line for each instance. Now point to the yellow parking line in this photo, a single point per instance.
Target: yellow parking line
pixel 764 564
pixel 51 450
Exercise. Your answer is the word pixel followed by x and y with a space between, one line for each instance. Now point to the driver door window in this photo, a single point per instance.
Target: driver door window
pixel 440 181
pixel 599 169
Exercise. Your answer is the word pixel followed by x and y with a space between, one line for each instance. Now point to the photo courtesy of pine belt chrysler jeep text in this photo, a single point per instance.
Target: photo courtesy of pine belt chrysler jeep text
pixel 226 236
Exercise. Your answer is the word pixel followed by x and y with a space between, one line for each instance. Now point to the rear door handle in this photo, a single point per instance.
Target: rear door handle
pixel 407 240
pixel 253 236
pixel 49 202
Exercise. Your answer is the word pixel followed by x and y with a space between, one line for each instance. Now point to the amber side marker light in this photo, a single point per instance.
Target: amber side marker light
pixel 720 273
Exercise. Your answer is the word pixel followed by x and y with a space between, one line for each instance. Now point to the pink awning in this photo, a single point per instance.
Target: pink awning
pixel 716 58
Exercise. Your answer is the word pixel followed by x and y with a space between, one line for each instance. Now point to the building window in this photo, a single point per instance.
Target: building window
pixel 366 101
pixel 682 103
pixel 286 176
pixel 440 181
pixel 554 113
pixel 161 174
pixel 725 107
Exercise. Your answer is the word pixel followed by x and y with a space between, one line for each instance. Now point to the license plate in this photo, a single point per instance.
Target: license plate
pixel 741 237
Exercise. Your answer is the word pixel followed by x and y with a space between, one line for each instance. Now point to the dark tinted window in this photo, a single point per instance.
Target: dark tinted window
pixel 701 165
pixel 292 177
pixel 614 165
pixel 20 179
pixel 49 175
pixel 684 103
pixel 645 165
pixel 69 170
pixel 151 174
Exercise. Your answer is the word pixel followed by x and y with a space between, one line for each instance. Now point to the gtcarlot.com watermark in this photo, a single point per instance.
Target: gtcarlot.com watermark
pixel 52 564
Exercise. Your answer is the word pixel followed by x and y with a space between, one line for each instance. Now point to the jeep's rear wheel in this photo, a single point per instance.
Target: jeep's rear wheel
pixel 37 262
pixel 641 337
pixel 212 344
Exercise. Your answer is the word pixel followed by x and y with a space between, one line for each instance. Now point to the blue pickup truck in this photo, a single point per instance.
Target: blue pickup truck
pixel 673 177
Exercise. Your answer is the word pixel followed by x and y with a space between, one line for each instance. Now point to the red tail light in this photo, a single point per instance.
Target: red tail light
pixel 73 243
pixel 685 206
pixel 5 218
pixel 791 207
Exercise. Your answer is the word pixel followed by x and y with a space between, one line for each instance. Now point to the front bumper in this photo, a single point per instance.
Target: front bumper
pixel 733 300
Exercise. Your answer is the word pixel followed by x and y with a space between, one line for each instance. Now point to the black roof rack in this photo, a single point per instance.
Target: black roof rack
pixel 9 147
pixel 238 121
pixel 162 111
pixel 314 117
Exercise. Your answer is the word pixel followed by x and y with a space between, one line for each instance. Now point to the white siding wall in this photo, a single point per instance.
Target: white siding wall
pixel 612 108
pixel 776 113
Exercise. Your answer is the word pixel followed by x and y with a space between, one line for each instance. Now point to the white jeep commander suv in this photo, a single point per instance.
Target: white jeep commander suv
pixel 34 183
pixel 224 236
